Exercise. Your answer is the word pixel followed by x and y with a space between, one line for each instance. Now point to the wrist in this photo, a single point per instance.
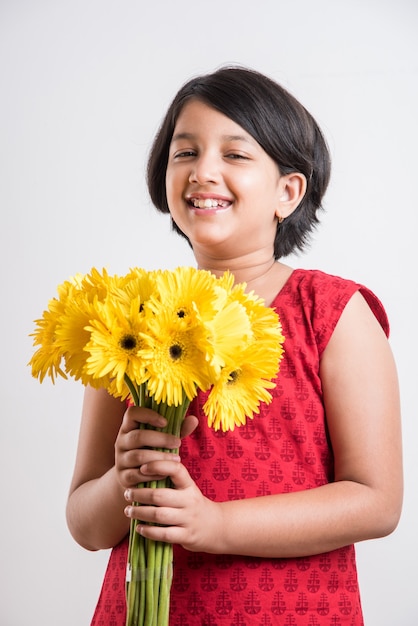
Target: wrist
pixel 218 529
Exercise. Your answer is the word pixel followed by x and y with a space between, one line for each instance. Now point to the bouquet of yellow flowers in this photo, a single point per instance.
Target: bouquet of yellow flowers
pixel 157 338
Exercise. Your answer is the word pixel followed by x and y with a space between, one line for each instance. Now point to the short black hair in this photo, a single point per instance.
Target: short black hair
pixel 276 120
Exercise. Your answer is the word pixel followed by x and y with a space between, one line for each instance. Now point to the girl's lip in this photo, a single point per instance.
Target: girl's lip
pixel 206 196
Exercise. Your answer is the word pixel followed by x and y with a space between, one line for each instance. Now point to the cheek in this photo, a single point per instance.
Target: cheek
pixel 176 175
pixel 174 191
pixel 170 187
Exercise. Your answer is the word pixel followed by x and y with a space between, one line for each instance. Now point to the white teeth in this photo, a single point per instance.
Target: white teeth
pixel 205 203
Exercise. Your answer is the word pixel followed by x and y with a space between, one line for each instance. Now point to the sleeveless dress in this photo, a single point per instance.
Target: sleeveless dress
pixel 285 448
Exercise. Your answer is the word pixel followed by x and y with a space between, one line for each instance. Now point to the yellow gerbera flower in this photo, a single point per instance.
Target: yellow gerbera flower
pixel 226 281
pixel 138 283
pixel 176 360
pixel 48 358
pixel 62 331
pixel 230 332
pixel 96 285
pixel 265 322
pixel 240 389
pixel 73 335
pixel 46 361
pixel 115 343
pixel 186 292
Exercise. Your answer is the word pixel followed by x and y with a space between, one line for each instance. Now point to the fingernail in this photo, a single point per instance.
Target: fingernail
pixel 128 511
pixel 128 495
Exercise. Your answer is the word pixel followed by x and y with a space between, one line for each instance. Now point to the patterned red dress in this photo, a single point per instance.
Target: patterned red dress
pixel 283 449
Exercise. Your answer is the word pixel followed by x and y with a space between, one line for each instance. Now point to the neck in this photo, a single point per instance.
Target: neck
pixel 260 275
pixel 265 278
pixel 244 269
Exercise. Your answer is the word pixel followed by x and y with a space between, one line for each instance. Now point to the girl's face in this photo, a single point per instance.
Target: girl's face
pixel 223 189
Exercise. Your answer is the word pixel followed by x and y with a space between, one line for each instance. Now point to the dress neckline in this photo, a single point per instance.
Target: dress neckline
pixel 285 285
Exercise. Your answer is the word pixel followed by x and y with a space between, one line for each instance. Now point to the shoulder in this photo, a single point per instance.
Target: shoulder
pixel 315 283
pixel 318 299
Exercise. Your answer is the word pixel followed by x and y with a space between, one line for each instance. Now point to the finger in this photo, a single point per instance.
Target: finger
pixel 133 477
pixel 150 497
pixel 144 456
pixel 157 470
pixel 158 505
pixel 148 438
pixel 190 422
pixel 135 416
pixel 132 433
pixel 179 475
pixel 172 533
pixel 155 515
pixel 130 466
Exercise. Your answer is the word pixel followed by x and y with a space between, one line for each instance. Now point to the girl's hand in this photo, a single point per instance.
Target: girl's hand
pixel 137 446
pixel 181 515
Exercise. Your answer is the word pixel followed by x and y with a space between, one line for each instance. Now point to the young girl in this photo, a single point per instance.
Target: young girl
pixel 263 518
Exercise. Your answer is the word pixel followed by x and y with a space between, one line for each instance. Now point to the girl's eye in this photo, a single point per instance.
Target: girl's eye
pixel 184 154
pixel 236 156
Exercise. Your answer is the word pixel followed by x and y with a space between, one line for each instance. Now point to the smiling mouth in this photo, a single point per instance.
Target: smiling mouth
pixel 208 203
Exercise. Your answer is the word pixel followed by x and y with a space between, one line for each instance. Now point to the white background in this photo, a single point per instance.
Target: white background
pixel 84 85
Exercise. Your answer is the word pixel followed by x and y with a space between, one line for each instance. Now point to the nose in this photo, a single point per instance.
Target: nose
pixel 204 170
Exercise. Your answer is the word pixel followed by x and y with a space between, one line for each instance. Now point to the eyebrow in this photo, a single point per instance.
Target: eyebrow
pixel 179 136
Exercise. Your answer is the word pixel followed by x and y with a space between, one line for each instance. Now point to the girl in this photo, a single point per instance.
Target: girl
pixel 263 519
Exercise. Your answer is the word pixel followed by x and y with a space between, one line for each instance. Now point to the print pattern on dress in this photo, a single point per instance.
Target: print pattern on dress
pixel 284 449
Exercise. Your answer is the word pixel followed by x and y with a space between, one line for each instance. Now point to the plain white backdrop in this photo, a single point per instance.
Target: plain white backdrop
pixel 84 85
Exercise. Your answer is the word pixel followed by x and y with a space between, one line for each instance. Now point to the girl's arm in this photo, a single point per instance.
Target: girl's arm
pixel 94 507
pixel 363 416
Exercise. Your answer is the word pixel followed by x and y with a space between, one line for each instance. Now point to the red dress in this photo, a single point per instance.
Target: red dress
pixel 283 449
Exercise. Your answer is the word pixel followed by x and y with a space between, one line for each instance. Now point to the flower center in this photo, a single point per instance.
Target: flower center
pixel 232 378
pixel 128 343
pixel 176 351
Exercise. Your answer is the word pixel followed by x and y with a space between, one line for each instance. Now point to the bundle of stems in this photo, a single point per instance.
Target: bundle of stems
pixel 150 563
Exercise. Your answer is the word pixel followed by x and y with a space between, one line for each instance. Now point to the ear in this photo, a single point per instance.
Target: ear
pixel 292 188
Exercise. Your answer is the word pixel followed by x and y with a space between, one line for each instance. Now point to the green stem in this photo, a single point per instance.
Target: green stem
pixel 150 562
pixel 142 570
pixel 165 584
pixel 149 576
pixel 134 585
pixel 133 390
pixel 157 576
